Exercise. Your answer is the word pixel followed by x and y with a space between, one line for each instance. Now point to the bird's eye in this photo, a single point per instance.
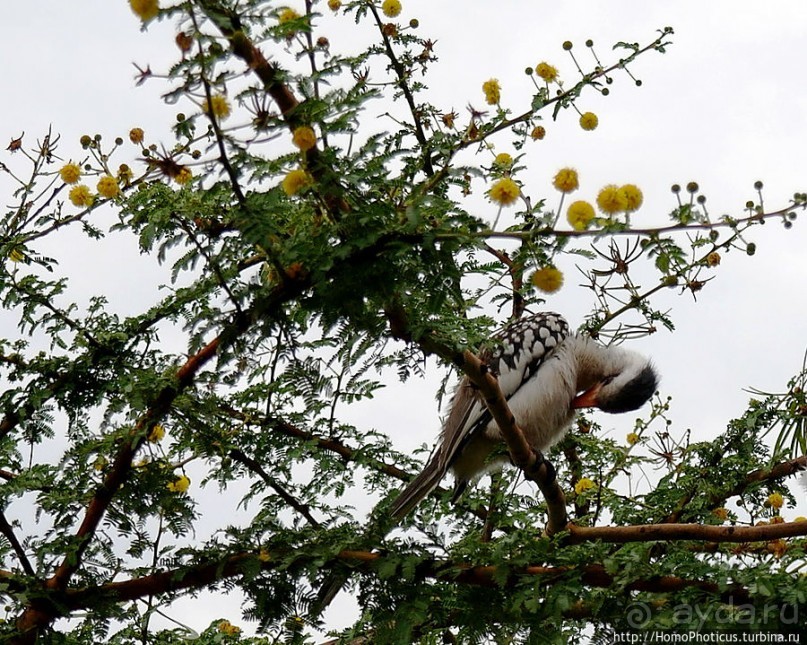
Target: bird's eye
pixel 608 379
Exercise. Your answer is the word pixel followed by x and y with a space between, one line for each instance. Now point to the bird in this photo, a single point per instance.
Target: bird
pixel 546 373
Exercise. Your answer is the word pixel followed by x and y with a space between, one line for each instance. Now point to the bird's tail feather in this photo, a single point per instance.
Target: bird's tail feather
pixel 418 488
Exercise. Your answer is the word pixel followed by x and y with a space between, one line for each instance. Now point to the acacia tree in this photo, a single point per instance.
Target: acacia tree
pixel 312 257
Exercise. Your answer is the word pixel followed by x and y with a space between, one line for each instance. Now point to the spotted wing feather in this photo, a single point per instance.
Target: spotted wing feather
pixel 517 354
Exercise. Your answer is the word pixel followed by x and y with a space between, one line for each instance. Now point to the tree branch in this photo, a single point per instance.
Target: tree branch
pixel 669 532
pixel 287 497
pixel 8 532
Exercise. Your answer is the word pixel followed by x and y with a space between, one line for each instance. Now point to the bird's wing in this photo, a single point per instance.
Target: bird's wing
pixel 515 355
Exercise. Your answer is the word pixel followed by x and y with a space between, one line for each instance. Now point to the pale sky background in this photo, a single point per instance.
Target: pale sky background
pixel 725 106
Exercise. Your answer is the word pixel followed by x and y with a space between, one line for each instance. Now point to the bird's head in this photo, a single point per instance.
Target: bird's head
pixel 628 386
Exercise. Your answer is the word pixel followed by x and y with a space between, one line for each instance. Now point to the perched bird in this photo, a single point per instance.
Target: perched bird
pixel 545 372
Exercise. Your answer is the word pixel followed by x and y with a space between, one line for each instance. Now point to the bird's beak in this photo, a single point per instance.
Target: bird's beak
pixel 587 399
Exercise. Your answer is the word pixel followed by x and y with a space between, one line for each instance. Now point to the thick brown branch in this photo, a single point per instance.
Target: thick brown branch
pixel 198 576
pixel 667 532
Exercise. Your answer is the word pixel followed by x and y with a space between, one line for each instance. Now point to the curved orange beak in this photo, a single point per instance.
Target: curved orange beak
pixel 587 399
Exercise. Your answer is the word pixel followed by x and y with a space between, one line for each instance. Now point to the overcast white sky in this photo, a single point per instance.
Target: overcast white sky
pixel 727 105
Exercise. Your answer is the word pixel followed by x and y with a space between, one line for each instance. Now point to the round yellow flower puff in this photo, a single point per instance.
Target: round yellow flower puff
pixel 304 138
pixel 721 513
pixel 287 14
pixel 580 214
pixel 538 132
pixel 334 5
pixel 492 90
pixel 295 181
pixel 391 8
pixel 226 627
pixel 633 197
pixel 145 9
pixel 136 135
pixel 583 484
pixel 546 72
pixel 504 192
pixel 183 176
pixel 632 438
pixel 156 434
pixel 125 174
pixel 713 259
pixel 179 485
pixel 70 173
pixel 775 500
pixel 548 279
pixel 566 180
pixel 503 160
pixel 81 196
pixel 108 187
pixel 589 121
pixel 218 106
pixel 612 200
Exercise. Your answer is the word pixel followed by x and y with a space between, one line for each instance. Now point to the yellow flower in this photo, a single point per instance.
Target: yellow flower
pixel 391 8
pixel 800 518
pixel 136 135
pixel 287 14
pixel 156 434
pixel 612 200
pixel 546 72
pixel 721 513
pixel 15 255
pixel 632 438
pixel 775 500
pixel 226 627
pixel 125 174
pixel 492 90
pixel 580 214
pixel 70 173
pixel 295 181
pixel 108 187
pixel 589 121
pixel 538 132
pixel 81 196
pixel 633 197
pixel 218 105
pixel 503 160
pixel 583 484
pixel 504 192
pixel 304 138
pixel 566 180
pixel 183 176
pixel 179 485
pixel 334 5
pixel 548 279
pixel 713 259
pixel 145 9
